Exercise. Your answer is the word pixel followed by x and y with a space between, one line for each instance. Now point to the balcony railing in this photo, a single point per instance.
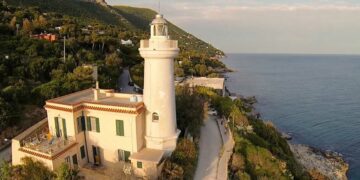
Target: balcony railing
pixel 158 44
pixel 48 145
pixel 38 140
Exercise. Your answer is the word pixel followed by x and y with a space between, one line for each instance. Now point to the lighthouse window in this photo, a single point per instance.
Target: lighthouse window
pixel 159 30
pixel 155 117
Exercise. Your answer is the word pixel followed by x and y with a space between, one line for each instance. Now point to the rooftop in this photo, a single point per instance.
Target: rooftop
pixel 106 97
pixel 215 83
pixel 148 155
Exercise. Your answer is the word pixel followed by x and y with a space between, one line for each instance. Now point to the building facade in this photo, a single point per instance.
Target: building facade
pixel 102 128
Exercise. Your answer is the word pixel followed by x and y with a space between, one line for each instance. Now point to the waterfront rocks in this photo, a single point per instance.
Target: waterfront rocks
pixel 320 164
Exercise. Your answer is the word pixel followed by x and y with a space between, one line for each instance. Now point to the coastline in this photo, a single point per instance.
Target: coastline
pixel 321 164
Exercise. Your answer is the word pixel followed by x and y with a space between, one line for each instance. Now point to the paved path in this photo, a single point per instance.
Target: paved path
pixel 227 151
pixel 209 150
pixel 5 154
pixel 123 82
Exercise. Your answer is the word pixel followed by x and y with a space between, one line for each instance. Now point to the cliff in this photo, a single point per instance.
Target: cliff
pixel 320 164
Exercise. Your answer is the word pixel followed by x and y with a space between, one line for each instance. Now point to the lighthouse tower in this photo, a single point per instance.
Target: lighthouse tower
pixel 159 92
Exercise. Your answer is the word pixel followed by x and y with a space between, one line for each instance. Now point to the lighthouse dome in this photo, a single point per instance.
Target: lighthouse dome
pixel 159 27
pixel 159 19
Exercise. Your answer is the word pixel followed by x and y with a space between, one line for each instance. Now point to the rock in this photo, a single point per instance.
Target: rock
pixel 320 164
pixel 286 136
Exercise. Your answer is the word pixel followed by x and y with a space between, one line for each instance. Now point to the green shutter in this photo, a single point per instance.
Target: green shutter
pixel 64 128
pixel 139 164
pixel 127 155
pixel 97 125
pixel 119 127
pixel 57 130
pixel 79 124
pixel 88 123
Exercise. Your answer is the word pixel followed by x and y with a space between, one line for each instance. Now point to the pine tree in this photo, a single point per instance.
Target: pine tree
pixel 27 26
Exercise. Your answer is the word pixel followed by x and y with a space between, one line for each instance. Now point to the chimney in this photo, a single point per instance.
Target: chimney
pixel 96 91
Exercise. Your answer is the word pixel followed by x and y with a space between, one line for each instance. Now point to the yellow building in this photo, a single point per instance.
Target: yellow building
pixel 101 128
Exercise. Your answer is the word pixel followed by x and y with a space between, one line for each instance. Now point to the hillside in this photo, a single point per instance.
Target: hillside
pixel 34 69
pixel 141 18
pixel 130 18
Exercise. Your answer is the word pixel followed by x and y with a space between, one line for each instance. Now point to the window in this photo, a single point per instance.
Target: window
pixel 120 127
pixel 80 124
pixel 82 152
pixel 67 160
pixel 92 124
pixel 57 128
pixel 88 124
pixel 75 160
pixel 139 164
pixel 97 124
pixel 155 117
pixel 123 155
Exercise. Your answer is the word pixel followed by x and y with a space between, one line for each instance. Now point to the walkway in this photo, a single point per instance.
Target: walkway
pixel 209 150
pixel 5 154
pixel 124 82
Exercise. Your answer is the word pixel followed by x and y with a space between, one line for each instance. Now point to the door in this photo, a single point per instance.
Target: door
pixel 96 155
pixel 75 161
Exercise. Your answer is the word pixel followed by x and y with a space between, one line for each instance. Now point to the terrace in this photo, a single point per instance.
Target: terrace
pixel 38 141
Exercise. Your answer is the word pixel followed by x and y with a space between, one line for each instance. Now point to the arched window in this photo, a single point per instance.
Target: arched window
pixel 155 117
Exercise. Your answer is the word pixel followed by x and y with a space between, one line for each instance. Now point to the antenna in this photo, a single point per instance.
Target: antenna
pixel 159 10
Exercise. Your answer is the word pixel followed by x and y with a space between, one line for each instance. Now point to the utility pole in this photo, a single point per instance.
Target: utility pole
pixel 17 28
pixel 64 49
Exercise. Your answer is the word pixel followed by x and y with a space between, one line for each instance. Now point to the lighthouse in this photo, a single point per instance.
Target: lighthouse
pixel 159 92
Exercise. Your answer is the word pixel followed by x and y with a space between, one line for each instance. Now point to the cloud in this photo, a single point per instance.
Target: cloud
pixel 268 26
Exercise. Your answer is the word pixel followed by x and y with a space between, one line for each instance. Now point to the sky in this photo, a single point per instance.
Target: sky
pixel 266 26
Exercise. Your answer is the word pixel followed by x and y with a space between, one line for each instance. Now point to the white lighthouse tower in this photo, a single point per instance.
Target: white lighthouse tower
pixel 159 92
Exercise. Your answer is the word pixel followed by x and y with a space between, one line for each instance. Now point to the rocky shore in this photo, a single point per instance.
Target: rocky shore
pixel 320 164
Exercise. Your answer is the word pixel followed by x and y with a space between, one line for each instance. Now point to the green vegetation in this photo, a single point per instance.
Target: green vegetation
pixel 34 70
pixel 140 18
pixel 183 161
pixel 190 110
pixel 30 169
pixel 190 113
pixel 260 152
pixel 36 170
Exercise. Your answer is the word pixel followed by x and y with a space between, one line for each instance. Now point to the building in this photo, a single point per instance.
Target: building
pixel 215 83
pixel 102 128
pixel 47 37
pixel 127 42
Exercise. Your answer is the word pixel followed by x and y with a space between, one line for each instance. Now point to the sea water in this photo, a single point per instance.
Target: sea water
pixel 316 98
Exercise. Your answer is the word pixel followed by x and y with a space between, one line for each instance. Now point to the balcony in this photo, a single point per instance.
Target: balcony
pixel 157 44
pixel 38 141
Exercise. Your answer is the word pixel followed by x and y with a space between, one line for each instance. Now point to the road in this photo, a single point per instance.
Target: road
pixel 5 154
pixel 124 82
pixel 209 150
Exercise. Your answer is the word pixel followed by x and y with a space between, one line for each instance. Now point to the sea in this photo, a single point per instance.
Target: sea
pixel 316 98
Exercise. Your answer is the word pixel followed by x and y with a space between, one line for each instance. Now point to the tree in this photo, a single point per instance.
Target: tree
pixel 5 171
pixel 27 27
pixel 113 60
pixel 13 23
pixel 42 21
pixel 66 173
pixel 6 114
pixel 32 169
pixel 183 161
pixel 189 110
